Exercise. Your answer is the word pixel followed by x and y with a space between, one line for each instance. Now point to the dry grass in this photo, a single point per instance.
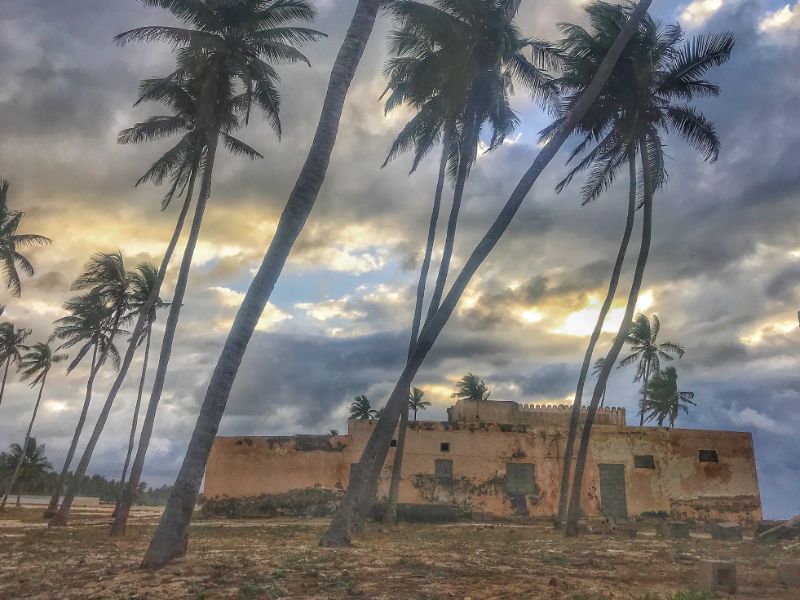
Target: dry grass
pixel 280 559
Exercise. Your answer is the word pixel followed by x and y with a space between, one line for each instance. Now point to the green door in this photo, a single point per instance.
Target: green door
pixel 613 502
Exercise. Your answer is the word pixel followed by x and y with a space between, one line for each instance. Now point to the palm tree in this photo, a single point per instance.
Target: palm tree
pixel 364 481
pixel 171 536
pixel 34 367
pixel 471 387
pixel 221 49
pixel 11 242
pixel 416 401
pixel 12 343
pixel 361 410
pixel 143 283
pixel 34 464
pixel 91 326
pixel 665 401
pixel 647 353
pixel 660 73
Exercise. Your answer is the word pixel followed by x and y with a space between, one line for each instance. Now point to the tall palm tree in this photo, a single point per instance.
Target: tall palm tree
pixel 361 410
pixel 647 352
pixel 12 344
pixel 34 367
pixel 11 242
pixel 665 401
pixel 143 283
pixel 471 387
pixel 663 77
pixel 91 326
pixel 416 401
pixel 221 48
pixel 364 482
pixel 171 536
pixel 34 464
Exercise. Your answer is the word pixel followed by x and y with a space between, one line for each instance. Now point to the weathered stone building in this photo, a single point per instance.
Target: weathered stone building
pixel 500 459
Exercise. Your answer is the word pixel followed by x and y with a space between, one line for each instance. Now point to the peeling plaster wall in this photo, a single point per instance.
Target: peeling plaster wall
pixel 679 484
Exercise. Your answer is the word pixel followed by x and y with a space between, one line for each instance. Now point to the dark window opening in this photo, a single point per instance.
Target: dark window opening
pixel 444 447
pixel 708 456
pixel 443 469
pixel 520 478
pixel 644 461
pixel 393 444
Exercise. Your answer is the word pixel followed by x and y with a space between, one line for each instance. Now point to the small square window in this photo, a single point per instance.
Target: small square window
pixel 520 478
pixel 393 444
pixel 444 447
pixel 708 456
pixel 644 461
pixel 443 469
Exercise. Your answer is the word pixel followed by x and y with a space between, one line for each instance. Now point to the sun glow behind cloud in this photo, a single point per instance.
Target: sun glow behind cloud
pixel 581 323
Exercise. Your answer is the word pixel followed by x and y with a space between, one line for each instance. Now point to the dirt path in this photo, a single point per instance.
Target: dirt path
pixel 281 559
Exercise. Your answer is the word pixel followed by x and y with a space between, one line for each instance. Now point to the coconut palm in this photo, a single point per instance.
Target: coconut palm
pixel 416 401
pixel 35 465
pixel 658 78
pixel 471 387
pixel 144 281
pixel 171 536
pixel 361 410
pixel 12 344
pixel 34 367
pixel 665 401
pixel 647 353
pixel 364 481
pixel 90 326
pixel 11 242
pixel 221 49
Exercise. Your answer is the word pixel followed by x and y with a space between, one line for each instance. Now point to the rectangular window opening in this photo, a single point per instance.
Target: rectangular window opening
pixel 444 447
pixel 443 469
pixel 708 456
pixel 520 478
pixel 393 444
pixel 644 461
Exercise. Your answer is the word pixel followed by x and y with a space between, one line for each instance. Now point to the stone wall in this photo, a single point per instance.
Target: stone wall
pixel 465 466
pixel 539 415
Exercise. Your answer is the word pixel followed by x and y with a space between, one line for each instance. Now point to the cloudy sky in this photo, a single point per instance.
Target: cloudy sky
pixel 722 274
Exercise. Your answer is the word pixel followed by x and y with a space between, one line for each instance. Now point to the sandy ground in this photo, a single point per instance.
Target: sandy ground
pixel 281 559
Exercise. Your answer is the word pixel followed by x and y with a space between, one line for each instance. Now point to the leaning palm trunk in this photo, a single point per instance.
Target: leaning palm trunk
pixel 50 511
pixel 135 419
pixel 13 479
pixel 365 476
pixel 128 359
pixel 575 414
pixel 647 225
pixel 131 486
pixel 172 534
pixel 5 376
pixel 391 506
pixel 643 401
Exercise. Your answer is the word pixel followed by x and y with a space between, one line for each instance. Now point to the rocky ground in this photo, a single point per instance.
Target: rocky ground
pixel 280 559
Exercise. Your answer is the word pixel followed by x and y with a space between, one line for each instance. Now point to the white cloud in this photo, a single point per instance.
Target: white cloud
pixel 330 309
pixel 753 418
pixel 231 299
pixel 783 19
pixel 699 11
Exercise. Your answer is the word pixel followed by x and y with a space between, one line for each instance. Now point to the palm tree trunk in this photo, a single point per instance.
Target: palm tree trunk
pixel 368 468
pixel 390 515
pixel 619 341
pixel 643 401
pixel 132 485
pixel 131 351
pixel 13 479
pixel 172 534
pixel 52 507
pixel 135 420
pixel 5 376
pixel 575 414
pixel 470 141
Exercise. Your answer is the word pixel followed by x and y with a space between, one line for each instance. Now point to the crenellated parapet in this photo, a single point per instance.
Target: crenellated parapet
pixel 514 413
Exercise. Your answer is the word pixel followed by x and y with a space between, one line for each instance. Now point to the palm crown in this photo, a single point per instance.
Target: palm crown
pixel 454 64
pixel 471 387
pixel 88 325
pixel 12 342
pixel 646 351
pixel 36 363
pixel 665 401
pixel 11 242
pixel 416 401
pixel 360 409
pixel 647 94
pixel 142 283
